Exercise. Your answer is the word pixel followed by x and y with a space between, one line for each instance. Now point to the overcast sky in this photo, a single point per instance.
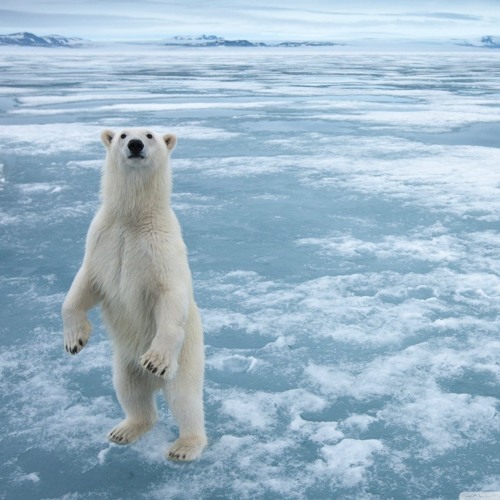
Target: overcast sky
pixel 252 19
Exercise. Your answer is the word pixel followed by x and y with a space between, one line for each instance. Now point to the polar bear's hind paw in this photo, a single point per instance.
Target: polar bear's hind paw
pixel 127 432
pixel 186 449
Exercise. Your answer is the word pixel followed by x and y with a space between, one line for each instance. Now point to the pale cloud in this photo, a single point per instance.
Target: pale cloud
pixel 279 19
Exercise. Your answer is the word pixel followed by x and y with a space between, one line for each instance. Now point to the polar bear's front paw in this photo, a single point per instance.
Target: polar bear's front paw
pixel 185 449
pixel 76 337
pixel 159 364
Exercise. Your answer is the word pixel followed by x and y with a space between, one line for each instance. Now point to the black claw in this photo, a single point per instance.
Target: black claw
pixel 155 370
pixel 150 366
pixel 163 372
pixel 80 341
pixel 74 350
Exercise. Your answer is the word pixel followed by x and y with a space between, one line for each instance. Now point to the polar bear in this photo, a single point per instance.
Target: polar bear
pixel 136 267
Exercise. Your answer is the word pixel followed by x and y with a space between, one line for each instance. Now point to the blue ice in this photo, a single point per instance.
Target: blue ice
pixel 341 212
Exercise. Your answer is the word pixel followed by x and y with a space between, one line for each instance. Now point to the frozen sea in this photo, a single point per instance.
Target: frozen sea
pixel 342 215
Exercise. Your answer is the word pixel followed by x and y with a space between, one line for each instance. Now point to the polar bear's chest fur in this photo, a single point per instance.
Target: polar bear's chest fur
pixel 131 265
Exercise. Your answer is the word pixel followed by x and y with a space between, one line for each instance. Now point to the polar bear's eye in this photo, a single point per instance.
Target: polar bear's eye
pixel 149 136
pixel 123 136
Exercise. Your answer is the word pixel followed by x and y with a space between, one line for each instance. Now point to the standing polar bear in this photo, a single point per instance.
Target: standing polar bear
pixel 136 267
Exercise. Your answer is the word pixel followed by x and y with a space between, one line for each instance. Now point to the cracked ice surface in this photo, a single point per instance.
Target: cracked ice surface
pixel 342 217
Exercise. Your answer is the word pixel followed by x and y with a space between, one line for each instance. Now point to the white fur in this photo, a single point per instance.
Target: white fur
pixel 136 267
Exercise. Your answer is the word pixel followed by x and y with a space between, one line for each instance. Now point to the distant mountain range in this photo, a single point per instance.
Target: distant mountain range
pixel 26 39
pixel 208 41
pixel 488 42
pixel 217 41
pixel 30 40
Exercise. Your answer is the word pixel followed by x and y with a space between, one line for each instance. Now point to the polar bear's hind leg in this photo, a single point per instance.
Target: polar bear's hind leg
pixel 185 399
pixel 135 390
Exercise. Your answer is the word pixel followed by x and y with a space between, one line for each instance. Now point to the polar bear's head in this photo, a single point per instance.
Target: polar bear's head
pixel 138 147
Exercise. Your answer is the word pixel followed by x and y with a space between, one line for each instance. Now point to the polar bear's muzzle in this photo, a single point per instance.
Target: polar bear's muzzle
pixel 135 147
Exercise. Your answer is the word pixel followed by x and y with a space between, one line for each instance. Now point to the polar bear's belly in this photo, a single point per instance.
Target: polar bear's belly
pixel 124 274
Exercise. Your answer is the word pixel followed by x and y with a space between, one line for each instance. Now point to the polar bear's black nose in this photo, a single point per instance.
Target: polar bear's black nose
pixel 135 146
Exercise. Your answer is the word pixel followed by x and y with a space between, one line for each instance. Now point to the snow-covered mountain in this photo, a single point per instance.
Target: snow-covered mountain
pixel 488 42
pixel 218 41
pixel 492 42
pixel 26 39
pixel 208 41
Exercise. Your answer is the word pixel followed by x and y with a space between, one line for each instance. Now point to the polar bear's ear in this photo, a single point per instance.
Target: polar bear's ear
pixel 107 137
pixel 170 141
